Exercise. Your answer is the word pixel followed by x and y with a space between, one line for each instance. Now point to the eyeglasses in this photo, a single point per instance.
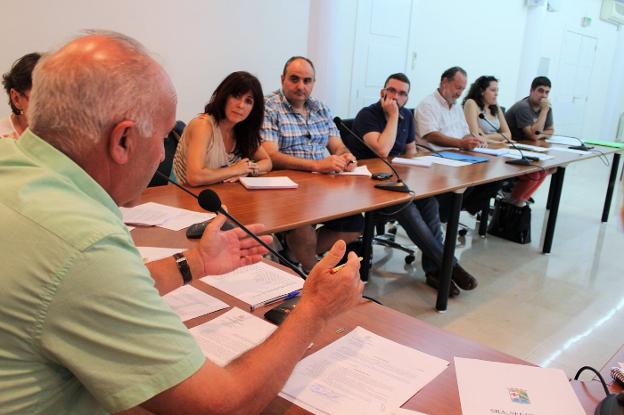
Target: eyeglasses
pixel 391 90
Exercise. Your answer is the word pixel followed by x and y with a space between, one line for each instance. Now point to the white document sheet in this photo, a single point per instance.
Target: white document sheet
pixel 256 284
pixel 504 388
pixel 277 182
pixel 188 302
pixel 530 147
pixel 230 335
pixel 416 161
pixel 557 139
pixel 155 214
pixel 515 154
pixel 361 373
pixel 152 253
pixel 491 151
pixel 569 150
pixel 358 171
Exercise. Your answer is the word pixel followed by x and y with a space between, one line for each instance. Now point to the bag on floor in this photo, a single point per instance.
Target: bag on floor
pixel 511 222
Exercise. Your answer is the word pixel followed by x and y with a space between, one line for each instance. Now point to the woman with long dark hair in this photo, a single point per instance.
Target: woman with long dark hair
pixel 223 143
pixel 482 99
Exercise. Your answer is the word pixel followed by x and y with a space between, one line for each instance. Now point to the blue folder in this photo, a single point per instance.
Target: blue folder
pixel 461 157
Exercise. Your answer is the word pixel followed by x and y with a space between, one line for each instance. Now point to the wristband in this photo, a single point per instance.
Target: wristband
pixel 183 266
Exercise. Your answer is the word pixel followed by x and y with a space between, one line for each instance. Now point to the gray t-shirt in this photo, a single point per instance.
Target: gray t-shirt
pixel 521 115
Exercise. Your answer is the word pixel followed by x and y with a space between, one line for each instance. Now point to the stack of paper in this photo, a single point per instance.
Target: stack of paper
pixel 361 373
pixel 276 182
pixel 188 302
pixel 230 335
pixel 358 171
pixel 504 388
pixel 155 214
pixel 257 285
pixel 416 161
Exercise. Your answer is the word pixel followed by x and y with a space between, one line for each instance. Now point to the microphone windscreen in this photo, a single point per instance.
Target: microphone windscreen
pixel 209 200
pixel 481 115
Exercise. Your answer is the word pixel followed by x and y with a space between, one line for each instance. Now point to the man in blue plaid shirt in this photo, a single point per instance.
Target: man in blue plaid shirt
pixel 298 133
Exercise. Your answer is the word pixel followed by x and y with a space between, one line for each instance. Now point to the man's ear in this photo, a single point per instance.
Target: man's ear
pixel 121 141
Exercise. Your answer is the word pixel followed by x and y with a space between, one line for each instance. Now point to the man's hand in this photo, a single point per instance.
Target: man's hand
pixel 469 142
pixel 222 252
pixel 327 295
pixel 331 164
pixel 544 104
pixel 350 160
pixel 389 106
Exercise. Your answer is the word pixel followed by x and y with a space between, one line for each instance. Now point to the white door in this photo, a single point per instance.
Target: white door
pixel 571 87
pixel 381 48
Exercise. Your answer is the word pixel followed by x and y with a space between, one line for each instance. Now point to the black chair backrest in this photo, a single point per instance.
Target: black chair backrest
pixel 171 145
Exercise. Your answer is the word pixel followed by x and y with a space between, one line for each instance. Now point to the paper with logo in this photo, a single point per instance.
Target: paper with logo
pixel 503 388
pixel 361 373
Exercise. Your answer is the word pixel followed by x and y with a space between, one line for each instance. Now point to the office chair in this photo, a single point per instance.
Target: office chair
pixel 383 237
pixel 171 145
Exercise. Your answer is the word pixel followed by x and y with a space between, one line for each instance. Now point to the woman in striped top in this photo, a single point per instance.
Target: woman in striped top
pixel 223 143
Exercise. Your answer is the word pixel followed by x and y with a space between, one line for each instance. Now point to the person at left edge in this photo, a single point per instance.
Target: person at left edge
pixel 388 127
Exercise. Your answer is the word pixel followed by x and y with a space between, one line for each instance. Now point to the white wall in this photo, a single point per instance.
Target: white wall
pixel 199 42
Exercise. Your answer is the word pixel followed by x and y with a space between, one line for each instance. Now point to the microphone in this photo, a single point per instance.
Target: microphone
pixel 523 160
pixel 397 186
pixel 581 147
pixel 210 201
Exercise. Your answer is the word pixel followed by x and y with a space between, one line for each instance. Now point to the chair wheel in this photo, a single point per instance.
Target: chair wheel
pixel 409 259
pixel 462 232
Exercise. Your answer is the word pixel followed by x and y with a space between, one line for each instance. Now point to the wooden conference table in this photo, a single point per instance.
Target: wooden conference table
pixel 320 198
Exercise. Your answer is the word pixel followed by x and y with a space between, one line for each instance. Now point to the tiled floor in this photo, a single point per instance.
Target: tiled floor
pixel 560 310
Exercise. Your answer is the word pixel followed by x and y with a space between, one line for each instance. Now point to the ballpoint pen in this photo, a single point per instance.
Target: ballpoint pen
pixel 339 267
pixel 274 300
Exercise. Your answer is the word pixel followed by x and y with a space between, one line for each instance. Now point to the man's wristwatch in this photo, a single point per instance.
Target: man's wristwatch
pixel 184 268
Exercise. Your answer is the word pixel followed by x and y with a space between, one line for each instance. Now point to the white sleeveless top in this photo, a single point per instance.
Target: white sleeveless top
pixel 487 128
pixel 216 156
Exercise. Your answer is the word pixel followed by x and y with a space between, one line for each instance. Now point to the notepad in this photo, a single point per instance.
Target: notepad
pixel 256 284
pixel 358 171
pixel 416 161
pixel 276 182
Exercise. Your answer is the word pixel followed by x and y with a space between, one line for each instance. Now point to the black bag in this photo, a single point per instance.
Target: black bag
pixel 511 222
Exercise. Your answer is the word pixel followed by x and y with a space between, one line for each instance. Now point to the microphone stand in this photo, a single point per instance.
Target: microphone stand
pixel 397 186
pixel 523 160
pixel 286 262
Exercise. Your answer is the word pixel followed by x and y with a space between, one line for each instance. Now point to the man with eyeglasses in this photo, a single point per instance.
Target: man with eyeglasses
pixel 388 127
pixel 298 133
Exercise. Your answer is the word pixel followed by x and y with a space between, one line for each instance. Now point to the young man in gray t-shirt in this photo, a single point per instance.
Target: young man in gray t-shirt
pixel 531 117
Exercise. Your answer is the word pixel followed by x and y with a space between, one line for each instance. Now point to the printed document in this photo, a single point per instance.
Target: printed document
pixel 188 302
pixel 358 171
pixel 361 373
pixel 230 335
pixel 257 284
pixel 155 214
pixel 416 161
pixel 515 154
pixel 505 388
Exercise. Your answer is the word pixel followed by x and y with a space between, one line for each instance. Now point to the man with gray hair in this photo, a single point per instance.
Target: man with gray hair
pixel 83 328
